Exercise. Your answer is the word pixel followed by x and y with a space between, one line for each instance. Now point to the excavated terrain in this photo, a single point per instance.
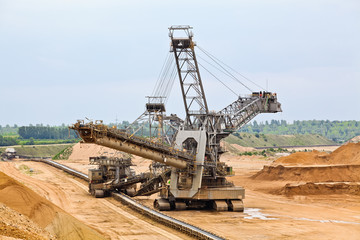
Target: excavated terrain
pixel 277 206
pixel 60 205
pixel 313 173
pixel 39 213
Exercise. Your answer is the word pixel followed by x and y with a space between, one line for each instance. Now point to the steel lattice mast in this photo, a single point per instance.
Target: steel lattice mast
pixel 188 71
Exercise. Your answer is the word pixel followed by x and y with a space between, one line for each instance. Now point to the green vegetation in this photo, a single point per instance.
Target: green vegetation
pixel 266 152
pixel 25 169
pixel 337 131
pixel 32 141
pixel 270 140
pixel 40 150
pixel 64 154
pixel 36 135
pixel 313 132
pixel 10 141
pixel 7 141
pixel 8 130
pixel 45 132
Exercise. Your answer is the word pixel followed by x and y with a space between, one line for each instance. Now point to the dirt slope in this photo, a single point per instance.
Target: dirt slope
pixel 346 154
pixel 16 225
pixel 316 172
pixel 322 188
pixel 335 173
pixel 82 151
pixel 110 218
pixel 45 214
pixel 355 139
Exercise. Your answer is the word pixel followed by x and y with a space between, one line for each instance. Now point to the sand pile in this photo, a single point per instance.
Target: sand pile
pixel 242 149
pixel 317 172
pixel 235 148
pixel 355 139
pixel 346 154
pixel 322 188
pixel 82 151
pixel 16 225
pixel 336 173
pixel 42 212
pixel 306 158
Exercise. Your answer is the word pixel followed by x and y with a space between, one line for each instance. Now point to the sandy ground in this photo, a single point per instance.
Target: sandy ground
pixel 268 214
pixel 108 217
pixel 272 216
pixel 324 148
pixel 40 212
pixel 16 225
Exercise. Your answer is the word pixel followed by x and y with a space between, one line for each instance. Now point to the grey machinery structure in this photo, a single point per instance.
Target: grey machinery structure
pixel 198 178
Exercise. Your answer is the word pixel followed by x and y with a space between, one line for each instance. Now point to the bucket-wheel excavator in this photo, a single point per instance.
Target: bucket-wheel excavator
pixel 196 177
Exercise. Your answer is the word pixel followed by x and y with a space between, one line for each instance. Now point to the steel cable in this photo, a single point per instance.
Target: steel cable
pixel 216 60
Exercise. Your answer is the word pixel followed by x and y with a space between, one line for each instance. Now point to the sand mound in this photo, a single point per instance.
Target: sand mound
pixel 322 188
pixel 29 204
pixel 16 225
pixel 314 157
pixel 242 149
pixel 337 173
pixel 346 154
pixel 79 158
pixel 82 151
pixel 69 228
pixel 336 169
pixel 41 211
pixel 355 139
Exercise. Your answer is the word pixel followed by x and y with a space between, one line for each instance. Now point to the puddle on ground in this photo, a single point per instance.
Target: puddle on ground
pixel 324 221
pixel 254 213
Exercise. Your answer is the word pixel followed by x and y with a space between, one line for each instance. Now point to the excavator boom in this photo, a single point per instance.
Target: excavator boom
pixel 241 111
pixel 113 138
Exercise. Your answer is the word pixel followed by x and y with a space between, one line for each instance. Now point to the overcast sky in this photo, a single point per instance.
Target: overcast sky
pixel 66 60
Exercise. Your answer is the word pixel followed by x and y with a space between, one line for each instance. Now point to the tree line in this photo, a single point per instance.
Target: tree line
pixel 45 132
pixel 7 141
pixel 338 131
pixel 38 134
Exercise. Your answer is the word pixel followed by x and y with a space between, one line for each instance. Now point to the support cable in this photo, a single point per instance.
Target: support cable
pixel 162 84
pixel 172 79
pixel 164 77
pixel 225 69
pixel 203 59
pixel 160 73
pixel 219 80
pixel 216 60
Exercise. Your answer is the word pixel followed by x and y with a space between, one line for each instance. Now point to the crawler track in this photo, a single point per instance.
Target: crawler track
pixel 153 214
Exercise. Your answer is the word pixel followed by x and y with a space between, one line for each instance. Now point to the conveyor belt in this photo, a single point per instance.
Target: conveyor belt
pixel 153 214
pixel 116 139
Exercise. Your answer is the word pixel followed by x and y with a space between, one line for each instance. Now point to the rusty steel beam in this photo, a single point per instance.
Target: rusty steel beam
pixel 100 134
pixel 144 152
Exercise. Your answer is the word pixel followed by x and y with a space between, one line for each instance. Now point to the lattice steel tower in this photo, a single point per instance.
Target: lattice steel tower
pixel 192 89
